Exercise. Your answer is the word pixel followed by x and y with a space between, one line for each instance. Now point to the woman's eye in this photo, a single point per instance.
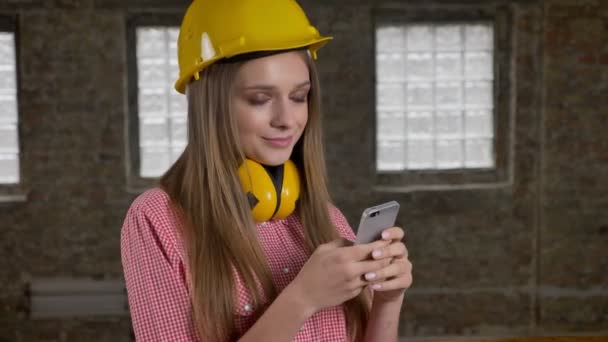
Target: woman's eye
pixel 257 101
pixel 300 98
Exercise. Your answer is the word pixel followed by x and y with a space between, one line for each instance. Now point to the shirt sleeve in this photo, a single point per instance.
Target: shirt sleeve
pixel 157 292
pixel 341 223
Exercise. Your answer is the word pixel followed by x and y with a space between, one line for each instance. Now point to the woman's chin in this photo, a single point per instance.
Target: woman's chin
pixel 272 159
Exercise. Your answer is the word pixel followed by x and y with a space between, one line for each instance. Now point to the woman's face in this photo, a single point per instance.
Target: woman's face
pixel 270 101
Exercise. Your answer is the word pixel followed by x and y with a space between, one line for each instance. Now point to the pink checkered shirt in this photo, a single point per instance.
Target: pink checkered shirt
pixel 155 269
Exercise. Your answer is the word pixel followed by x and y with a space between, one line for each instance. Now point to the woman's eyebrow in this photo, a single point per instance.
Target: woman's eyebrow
pixel 272 87
pixel 302 85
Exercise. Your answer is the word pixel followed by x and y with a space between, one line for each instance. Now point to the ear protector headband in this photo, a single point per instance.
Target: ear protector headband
pixel 272 191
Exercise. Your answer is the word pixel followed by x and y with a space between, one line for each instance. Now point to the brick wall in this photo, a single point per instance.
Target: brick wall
pixel 526 258
pixel 573 258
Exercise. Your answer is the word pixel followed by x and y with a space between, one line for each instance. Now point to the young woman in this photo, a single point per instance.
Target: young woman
pixel 240 240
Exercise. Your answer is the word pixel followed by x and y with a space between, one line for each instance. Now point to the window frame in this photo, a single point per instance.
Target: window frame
pixel 136 183
pixel 16 192
pixel 461 178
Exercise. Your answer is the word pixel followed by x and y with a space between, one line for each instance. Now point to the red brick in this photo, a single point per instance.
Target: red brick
pixel 588 59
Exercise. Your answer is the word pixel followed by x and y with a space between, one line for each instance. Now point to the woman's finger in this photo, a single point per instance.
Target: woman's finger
pixel 394 250
pixel 402 282
pixel 393 233
pixel 396 269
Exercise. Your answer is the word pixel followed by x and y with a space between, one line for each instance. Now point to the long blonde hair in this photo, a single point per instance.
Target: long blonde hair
pixel 218 228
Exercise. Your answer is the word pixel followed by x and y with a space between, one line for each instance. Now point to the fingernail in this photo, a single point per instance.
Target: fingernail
pixel 376 286
pixel 377 253
pixel 370 275
pixel 385 235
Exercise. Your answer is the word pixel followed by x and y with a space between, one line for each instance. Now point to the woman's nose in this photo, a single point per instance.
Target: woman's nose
pixel 283 115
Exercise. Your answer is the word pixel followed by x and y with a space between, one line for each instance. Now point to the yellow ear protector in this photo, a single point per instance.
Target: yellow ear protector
pixel 272 191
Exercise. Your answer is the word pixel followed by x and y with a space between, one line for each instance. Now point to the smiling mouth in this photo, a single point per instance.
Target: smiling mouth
pixel 279 142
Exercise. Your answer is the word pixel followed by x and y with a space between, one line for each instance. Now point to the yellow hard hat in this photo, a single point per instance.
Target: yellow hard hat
pixel 216 29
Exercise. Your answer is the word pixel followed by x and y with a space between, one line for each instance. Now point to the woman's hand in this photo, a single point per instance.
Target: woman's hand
pixel 390 283
pixel 334 274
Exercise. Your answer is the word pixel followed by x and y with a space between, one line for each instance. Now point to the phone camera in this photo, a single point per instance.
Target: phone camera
pixel 374 214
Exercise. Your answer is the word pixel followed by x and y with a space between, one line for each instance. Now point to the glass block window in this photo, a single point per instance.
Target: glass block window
pixel 434 91
pixel 162 110
pixel 9 140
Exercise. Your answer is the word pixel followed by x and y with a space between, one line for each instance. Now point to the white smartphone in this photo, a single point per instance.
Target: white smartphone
pixel 376 219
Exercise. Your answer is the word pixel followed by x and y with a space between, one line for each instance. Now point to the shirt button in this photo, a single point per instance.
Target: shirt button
pixel 286 270
pixel 248 307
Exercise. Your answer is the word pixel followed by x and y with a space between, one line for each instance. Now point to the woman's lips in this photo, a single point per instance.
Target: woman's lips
pixel 279 142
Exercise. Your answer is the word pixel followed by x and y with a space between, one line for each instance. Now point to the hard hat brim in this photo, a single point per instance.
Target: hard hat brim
pixel 182 82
